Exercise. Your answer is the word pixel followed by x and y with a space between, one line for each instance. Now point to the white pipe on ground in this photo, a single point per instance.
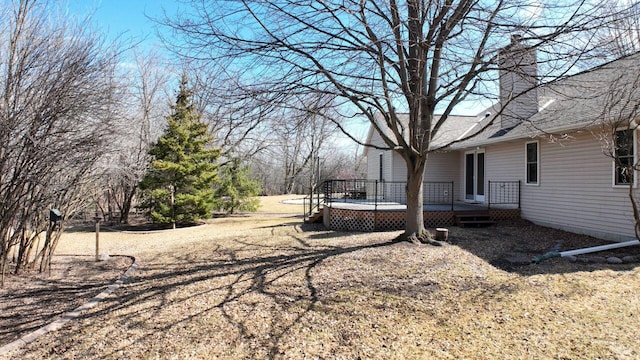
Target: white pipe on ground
pixel 599 248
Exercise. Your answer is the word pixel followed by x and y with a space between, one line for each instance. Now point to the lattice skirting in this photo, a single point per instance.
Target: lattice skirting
pixel 367 220
pixel 504 214
pixel 349 220
pixel 433 219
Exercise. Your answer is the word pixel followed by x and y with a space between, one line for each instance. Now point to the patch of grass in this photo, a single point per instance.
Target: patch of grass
pixel 275 205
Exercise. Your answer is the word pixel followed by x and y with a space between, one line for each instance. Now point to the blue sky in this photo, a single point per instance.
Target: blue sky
pixel 126 19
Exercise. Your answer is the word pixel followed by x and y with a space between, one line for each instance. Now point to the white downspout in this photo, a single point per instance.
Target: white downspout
pixel 553 254
pixel 599 248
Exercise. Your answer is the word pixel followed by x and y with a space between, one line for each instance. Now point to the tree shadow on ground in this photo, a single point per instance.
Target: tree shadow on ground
pixel 31 300
pixel 282 276
pixel 230 281
pixel 512 245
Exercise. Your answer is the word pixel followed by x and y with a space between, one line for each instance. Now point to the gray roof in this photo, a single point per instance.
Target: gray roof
pixel 454 128
pixel 577 102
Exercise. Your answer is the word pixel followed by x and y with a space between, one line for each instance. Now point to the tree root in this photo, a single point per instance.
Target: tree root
pixel 423 238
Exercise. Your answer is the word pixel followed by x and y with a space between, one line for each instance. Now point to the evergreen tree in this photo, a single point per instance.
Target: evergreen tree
pixel 236 190
pixel 178 186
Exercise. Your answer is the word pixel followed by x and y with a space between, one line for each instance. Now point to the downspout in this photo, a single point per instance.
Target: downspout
pixel 553 254
pixel 599 248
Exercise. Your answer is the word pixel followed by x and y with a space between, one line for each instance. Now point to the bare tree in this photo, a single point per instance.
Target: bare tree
pixel 621 35
pixel 296 140
pixel 56 100
pixel 237 118
pixel 383 58
pixel 141 108
pixel 302 132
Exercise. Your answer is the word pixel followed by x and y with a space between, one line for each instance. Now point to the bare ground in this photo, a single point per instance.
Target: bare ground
pixel 267 287
pixel 31 300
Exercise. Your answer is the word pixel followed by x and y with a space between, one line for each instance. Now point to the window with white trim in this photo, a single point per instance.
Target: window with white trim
pixel 381 169
pixel 532 162
pixel 624 157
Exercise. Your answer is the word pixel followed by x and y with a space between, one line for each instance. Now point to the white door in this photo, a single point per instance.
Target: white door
pixel 474 176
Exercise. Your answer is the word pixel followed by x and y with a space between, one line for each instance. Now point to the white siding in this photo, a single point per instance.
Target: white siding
pixel 398 169
pixel 442 166
pixel 575 189
pixel 373 160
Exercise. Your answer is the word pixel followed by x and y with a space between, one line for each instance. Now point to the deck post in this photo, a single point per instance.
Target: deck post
pixel 452 187
pixel 518 194
pixel 345 186
pixel 489 196
pixel 310 202
pixel 375 209
pixel 375 198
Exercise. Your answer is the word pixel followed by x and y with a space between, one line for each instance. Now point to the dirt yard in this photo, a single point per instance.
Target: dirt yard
pixel 266 286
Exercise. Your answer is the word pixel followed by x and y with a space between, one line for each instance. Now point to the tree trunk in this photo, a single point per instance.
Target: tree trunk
pixel 129 193
pixel 414 229
pixel 21 253
pixel 3 261
pixel 47 243
pixel 173 206
pixel 634 206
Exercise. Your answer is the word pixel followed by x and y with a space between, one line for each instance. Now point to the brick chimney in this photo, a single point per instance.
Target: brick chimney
pixel 518 79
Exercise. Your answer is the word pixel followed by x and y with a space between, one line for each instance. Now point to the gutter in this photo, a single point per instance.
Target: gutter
pixel 553 254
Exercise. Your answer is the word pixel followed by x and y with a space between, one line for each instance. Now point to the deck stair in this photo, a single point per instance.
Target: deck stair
pixel 316 217
pixel 473 218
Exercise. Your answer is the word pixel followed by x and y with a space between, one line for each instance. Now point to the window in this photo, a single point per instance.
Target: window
pixel 624 156
pixel 533 162
pixel 381 175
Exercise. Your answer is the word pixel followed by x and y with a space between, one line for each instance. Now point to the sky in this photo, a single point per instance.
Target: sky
pixel 132 20
pixel 125 19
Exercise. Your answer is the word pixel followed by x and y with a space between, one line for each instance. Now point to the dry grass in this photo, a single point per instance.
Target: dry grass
pixel 275 205
pixel 267 287
pixel 31 300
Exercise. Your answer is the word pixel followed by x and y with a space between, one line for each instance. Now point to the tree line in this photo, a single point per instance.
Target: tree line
pixel 87 126
pixel 81 131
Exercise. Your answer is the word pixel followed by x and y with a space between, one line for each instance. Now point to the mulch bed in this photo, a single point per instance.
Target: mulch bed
pixel 520 239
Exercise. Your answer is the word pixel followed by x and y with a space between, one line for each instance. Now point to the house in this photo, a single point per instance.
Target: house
pixel 554 141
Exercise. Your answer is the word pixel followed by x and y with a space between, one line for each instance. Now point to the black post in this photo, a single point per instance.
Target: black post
pixel 452 187
pixel 97 220
pixel 375 198
pixel 375 208
pixel 310 202
pixel 489 196
pixel 518 194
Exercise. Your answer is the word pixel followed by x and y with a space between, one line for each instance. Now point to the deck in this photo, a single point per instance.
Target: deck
pixel 371 205
pixel 355 215
pixel 391 206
